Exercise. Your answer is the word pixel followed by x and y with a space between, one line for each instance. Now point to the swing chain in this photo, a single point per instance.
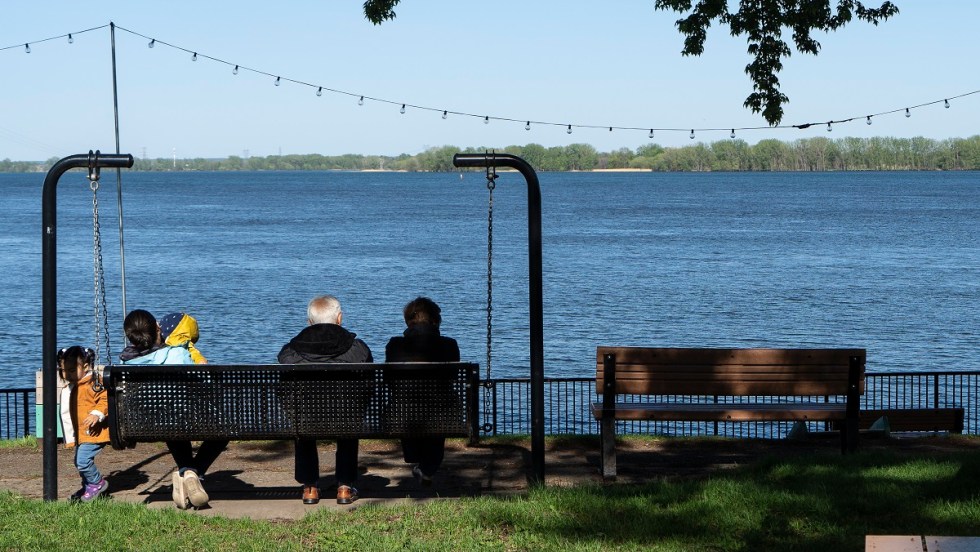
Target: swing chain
pixel 487 385
pixel 101 333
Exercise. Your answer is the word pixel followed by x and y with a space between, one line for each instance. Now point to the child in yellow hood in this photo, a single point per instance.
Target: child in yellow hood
pixel 179 329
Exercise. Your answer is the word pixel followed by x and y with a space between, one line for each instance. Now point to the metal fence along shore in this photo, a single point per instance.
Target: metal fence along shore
pixel 505 406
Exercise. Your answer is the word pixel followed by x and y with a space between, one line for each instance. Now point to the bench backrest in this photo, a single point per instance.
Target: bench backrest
pixel 209 401
pixel 731 372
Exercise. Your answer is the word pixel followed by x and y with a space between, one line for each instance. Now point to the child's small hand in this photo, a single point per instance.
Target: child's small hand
pixel 90 421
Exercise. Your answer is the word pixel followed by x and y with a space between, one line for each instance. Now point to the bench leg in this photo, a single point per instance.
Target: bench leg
pixel 607 460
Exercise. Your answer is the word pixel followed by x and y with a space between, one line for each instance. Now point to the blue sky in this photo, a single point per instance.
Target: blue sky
pixel 570 62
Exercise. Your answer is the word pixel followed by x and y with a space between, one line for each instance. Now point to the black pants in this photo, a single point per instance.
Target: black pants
pixel 207 453
pixel 427 452
pixel 307 470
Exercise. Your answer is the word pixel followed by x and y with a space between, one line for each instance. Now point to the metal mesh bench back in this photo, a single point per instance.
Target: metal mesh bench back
pixel 254 402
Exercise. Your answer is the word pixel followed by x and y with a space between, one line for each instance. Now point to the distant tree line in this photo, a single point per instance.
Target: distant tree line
pixel 808 154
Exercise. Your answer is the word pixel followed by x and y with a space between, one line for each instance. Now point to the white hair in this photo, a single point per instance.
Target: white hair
pixel 324 309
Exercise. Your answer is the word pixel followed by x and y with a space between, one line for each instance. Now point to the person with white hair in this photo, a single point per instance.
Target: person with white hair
pixel 323 340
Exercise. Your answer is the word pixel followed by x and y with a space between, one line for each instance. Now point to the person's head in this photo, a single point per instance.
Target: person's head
pixel 141 329
pixel 422 310
pixel 324 309
pixel 74 362
pixel 179 326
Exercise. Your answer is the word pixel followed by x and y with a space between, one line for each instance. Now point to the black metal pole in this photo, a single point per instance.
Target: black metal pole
pixel 535 293
pixel 49 300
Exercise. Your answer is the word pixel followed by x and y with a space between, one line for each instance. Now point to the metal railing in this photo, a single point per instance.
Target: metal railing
pixel 16 413
pixel 567 405
pixel 507 406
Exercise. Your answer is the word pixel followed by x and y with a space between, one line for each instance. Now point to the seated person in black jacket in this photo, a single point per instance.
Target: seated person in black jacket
pixel 422 342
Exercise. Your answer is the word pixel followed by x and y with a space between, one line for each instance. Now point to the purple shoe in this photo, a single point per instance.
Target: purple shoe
pixel 93 491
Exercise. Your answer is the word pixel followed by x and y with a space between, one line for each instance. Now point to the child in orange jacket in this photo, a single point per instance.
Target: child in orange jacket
pixel 88 416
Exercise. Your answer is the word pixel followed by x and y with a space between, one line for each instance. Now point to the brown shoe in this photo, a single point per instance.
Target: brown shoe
pixel 311 494
pixel 346 494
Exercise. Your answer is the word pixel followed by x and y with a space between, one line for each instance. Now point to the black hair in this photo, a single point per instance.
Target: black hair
pixel 423 310
pixel 141 329
pixel 68 360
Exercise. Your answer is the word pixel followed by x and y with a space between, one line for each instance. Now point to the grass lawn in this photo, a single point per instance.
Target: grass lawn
pixel 822 502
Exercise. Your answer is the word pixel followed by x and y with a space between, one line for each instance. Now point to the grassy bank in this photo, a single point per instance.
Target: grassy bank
pixel 818 502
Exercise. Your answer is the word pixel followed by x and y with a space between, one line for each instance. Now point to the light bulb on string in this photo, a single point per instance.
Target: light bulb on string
pixel 486 120
pixel 610 129
pixel 27 48
pixel 319 91
pixel 360 101
pixel 732 135
pixel 651 133
pixel 569 130
pixel 692 134
pixel 152 43
pixel 194 57
pixel 71 39
pixel 945 102
pixel 402 110
pixel 869 120
pixel 527 126
pixel 829 128
pixel 445 114
pixel 235 70
pixel 277 80
pixel 907 112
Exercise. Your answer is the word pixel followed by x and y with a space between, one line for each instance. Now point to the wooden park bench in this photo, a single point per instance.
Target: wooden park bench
pixel 757 384
pixel 149 403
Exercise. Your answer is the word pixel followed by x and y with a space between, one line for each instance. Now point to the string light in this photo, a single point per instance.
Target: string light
pixel 151 42
pixel 445 114
pixel 829 128
pixel 402 110
pixel 732 135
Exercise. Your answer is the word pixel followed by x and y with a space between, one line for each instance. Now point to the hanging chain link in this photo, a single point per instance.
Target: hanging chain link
pixel 487 395
pixel 99 298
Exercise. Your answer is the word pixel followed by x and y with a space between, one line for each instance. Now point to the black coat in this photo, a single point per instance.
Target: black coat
pixel 324 343
pixel 422 343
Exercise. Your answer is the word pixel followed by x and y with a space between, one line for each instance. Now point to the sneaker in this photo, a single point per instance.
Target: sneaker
pixel 93 491
pixel 194 490
pixel 425 480
pixel 346 494
pixel 179 495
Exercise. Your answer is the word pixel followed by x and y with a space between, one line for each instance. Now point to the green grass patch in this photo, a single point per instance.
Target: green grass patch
pixel 818 502
pixel 29 442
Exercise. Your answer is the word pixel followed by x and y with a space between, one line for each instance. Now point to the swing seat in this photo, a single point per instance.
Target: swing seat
pixel 270 402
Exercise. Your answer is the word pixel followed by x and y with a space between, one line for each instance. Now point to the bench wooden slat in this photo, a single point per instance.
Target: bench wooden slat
pixel 914 419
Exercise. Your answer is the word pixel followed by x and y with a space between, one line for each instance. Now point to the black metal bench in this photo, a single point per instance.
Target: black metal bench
pixel 757 384
pixel 149 403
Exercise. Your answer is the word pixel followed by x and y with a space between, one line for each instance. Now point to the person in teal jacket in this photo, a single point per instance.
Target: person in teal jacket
pixel 146 347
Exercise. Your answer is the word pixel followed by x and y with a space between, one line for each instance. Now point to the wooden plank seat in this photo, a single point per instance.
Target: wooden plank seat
pixel 758 384
pixel 149 403
pixel 912 419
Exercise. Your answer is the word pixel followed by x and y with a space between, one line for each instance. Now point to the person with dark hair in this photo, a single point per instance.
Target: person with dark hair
pixel 422 342
pixel 146 347
pixel 88 411
pixel 323 340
